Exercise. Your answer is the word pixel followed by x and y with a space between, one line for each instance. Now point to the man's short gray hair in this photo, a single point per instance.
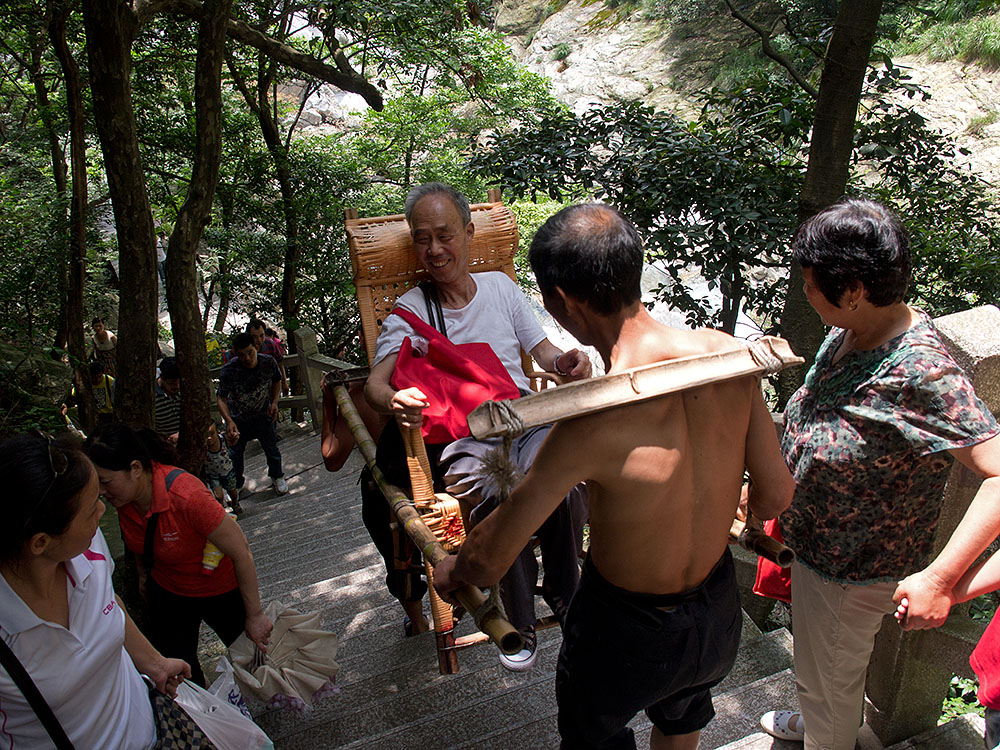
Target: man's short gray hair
pixel 433 188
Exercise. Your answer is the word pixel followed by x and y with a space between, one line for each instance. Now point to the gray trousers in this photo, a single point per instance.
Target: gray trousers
pixel 560 538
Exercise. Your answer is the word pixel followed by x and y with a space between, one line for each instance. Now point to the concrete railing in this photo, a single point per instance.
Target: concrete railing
pixel 909 672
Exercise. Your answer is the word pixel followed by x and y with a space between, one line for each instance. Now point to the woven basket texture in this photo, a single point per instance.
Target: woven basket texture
pixel 385 265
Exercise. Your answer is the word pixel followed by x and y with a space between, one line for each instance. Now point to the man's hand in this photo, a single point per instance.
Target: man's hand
pixel 573 365
pixel 444 581
pixel 232 432
pixel 167 674
pixel 258 629
pixel 924 601
pixel 408 406
pixel 272 411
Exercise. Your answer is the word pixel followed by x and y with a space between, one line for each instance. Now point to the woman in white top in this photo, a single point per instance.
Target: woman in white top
pixel 59 613
pixel 104 343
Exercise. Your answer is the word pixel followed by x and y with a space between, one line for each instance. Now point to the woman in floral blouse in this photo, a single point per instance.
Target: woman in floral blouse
pixel 870 438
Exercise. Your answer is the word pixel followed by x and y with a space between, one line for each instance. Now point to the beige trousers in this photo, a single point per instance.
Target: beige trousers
pixel 834 633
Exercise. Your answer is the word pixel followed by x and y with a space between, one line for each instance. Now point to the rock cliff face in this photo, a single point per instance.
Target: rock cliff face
pixel 593 54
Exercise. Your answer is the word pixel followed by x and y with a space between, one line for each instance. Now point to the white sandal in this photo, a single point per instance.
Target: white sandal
pixel 775 723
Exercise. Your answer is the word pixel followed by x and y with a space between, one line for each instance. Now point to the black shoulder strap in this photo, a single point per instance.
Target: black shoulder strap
pixel 148 541
pixel 27 686
pixel 435 315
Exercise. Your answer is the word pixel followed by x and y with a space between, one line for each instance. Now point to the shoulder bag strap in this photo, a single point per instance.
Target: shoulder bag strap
pixel 434 312
pixel 147 546
pixel 27 686
pixel 419 327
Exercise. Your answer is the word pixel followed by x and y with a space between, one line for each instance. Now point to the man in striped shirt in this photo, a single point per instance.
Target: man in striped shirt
pixel 167 404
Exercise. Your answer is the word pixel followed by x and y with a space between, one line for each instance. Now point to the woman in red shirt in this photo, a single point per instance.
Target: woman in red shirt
pixel 167 515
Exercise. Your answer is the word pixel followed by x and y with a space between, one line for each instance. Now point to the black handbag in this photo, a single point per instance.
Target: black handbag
pixel 175 729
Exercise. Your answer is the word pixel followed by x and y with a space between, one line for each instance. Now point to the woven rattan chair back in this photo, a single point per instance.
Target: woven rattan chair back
pixel 385 265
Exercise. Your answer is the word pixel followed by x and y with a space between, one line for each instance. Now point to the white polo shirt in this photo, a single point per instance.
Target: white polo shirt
pixel 84 673
pixel 498 314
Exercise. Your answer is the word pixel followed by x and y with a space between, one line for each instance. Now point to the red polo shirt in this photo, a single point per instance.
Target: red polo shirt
pixel 188 513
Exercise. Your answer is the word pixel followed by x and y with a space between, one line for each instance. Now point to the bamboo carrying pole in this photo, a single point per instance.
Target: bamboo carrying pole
pixel 489 621
pixel 576 399
pixel 766 354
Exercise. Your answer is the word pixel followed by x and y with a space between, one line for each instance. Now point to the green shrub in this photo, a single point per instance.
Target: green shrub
pixel 561 51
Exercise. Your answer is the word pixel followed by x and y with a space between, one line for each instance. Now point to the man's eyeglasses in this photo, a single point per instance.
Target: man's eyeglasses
pixel 58 462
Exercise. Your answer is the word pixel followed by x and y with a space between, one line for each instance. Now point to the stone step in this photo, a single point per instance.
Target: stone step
pixel 962 733
pixel 313 553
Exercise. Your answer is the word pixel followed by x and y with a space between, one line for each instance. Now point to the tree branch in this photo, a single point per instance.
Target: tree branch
pixel 765 45
pixel 343 77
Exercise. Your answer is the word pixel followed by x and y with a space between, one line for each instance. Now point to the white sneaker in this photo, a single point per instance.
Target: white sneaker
pixel 280 485
pixel 524 659
pixel 777 724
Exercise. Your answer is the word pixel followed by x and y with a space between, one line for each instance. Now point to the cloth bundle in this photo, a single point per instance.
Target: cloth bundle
pixel 300 663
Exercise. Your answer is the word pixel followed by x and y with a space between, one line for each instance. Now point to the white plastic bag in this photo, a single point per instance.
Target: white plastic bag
pixel 225 687
pixel 222 722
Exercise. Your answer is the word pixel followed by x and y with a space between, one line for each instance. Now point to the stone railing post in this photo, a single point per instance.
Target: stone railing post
pixel 908 676
pixel 306 347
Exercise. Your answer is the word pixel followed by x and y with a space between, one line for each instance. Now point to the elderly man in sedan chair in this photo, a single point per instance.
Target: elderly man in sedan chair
pixel 485 307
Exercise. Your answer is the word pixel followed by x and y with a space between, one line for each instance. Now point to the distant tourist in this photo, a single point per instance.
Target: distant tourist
pixel 103 344
pixel 266 344
pixel 102 386
pixel 247 397
pixel 167 401
pixel 218 470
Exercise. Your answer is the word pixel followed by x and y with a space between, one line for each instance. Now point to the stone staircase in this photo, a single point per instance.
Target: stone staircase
pixel 313 553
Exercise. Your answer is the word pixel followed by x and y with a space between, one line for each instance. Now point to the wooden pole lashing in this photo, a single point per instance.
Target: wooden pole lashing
pixel 489 621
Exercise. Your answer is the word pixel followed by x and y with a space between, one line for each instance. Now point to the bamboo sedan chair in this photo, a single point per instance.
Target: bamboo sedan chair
pixel 385 267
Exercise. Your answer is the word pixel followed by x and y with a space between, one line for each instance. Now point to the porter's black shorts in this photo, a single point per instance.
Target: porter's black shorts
pixel 624 652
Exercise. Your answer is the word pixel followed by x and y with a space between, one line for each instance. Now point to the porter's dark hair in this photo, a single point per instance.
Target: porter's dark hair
pixel 591 252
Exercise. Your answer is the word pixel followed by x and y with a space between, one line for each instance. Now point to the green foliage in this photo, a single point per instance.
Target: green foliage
pixel 530 215
pixel 709 195
pixel 977 125
pixel 961 700
pixel 561 51
pixel 949 210
pixel 970 33
pixel 716 195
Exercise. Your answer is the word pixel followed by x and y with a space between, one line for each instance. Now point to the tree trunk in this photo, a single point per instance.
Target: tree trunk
pixel 77 218
pixel 182 286
pixel 110 26
pixel 829 163
pixel 227 205
pixel 60 172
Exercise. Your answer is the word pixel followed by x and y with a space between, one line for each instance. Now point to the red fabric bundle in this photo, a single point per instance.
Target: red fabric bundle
pixel 456 378
pixel 772 580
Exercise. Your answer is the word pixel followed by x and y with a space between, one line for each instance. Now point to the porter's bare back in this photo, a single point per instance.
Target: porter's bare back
pixel 663 476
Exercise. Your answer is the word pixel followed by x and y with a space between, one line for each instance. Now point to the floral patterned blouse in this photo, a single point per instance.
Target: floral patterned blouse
pixel 866 440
